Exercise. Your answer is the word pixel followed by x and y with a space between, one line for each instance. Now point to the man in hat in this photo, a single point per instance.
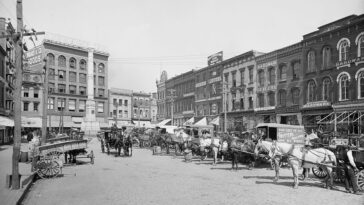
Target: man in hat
pixel 350 169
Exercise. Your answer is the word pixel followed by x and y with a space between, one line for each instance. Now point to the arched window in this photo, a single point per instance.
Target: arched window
pixel 271 76
pixel 295 96
pixel 62 61
pixel 101 68
pixel 343 48
pixel 326 57
pixel 311 88
pixel 50 59
pixel 311 61
pixel 295 70
pixel 344 87
pixel 83 65
pixel 283 72
pixel 326 83
pixel 72 63
pixel 361 85
pixel 360 42
pixel 282 97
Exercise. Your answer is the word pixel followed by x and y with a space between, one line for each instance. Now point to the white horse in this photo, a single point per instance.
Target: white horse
pixel 299 156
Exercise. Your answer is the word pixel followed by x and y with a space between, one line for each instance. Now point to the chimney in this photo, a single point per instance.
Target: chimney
pixel 3 32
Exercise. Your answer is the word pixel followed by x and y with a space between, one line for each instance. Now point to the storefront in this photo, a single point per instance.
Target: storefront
pixel 6 130
pixel 289 115
pixel 266 114
pixel 313 113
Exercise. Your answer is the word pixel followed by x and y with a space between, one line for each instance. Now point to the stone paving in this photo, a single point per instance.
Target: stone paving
pixel 148 179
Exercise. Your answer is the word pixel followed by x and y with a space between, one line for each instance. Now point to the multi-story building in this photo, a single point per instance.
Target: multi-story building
pixel 67 61
pixel 289 83
pixel 266 87
pixel 161 97
pixel 120 107
pixel 7 67
pixel 153 109
pixel 208 92
pixel 239 76
pixel 333 59
pixel 141 109
pixel 180 93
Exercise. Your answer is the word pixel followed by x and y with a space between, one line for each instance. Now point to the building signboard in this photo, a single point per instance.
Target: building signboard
pixel 215 58
pixel 347 63
pixel 317 104
pixel 266 88
pixel 267 64
pixel 34 56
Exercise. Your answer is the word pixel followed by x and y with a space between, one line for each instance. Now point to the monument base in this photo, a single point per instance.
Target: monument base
pixel 90 128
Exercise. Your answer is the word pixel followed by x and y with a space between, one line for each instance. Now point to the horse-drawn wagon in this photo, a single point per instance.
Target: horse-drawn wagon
pixel 49 163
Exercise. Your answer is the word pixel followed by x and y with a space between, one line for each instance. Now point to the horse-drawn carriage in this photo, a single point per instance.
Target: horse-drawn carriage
pixel 49 163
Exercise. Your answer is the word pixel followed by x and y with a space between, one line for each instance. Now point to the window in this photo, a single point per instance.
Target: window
pixel 101 68
pixel 50 103
pixel 61 88
pixel 326 57
pixel 250 102
pixel 36 93
pixel 326 89
pixel 61 104
pixel 101 81
pixel 242 103
pixel 81 106
pixel 311 61
pixel 62 61
pixel 282 97
pixel 283 72
pixel 242 76
pixel 344 87
pixel 100 107
pixel 51 88
pixel 73 76
pixel 250 75
pixel 83 65
pixel 233 74
pixel 73 89
pixel 101 92
pixel 120 114
pixel 71 105
pixel 94 80
pixel 261 78
pixel 61 75
pixel 146 113
pixel 295 70
pixel 361 84
pixel 82 90
pixel 50 59
pixel 26 92
pixel 271 75
pixel 261 99
pixel 114 113
pixel 94 67
pixel 51 74
pixel 295 96
pixel 126 102
pixel 72 63
pixel 360 42
pixel 311 88
pixel 82 78
pixel 26 106
pixel 271 99
pixel 115 102
pixel 343 47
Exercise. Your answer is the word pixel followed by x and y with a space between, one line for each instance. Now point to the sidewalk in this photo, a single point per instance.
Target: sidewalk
pixel 9 196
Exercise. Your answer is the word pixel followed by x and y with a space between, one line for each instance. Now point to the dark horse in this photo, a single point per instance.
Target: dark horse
pixel 114 139
pixel 238 147
pixel 128 146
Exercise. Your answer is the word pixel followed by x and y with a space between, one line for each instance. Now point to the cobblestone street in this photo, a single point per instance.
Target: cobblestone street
pixel 148 179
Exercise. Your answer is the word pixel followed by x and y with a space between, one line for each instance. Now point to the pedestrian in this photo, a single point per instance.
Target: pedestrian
pixel 215 143
pixel 30 136
pixel 350 170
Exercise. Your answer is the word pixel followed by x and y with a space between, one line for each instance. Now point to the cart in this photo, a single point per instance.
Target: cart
pixel 50 165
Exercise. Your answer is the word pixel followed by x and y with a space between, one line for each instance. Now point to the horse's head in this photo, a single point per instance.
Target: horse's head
pixel 264 147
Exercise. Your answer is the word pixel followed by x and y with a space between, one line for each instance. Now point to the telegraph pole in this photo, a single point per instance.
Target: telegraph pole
pixel 45 103
pixel 225 90
pixel 172 102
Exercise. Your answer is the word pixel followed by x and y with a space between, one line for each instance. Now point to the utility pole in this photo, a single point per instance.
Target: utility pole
pixel 172 102
pixel 225 90
pixel 45 103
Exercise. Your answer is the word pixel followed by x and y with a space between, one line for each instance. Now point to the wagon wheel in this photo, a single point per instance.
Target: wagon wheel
pixel 92 156
pixel 48 168
pixel 53 154
pixel 319 172
pixel 360 179
pixel 147 144
pixel 338 175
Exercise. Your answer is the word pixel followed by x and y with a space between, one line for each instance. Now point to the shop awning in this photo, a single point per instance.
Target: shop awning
pixel 165 122
pixel 215 121
pixel 7 122
pixel 31 122
pixel 202 122
pixel 189 122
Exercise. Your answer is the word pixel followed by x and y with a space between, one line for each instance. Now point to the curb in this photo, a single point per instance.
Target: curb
pixel 31 179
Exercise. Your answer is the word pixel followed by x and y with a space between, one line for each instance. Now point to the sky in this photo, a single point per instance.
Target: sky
pixel 145 37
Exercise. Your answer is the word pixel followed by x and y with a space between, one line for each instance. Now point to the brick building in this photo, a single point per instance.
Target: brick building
pixel 120 107
pixel 161 97
pixel 141 109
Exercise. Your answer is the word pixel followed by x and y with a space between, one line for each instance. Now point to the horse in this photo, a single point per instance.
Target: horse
pixel 299 156
pixel 235 147
pixel 115 140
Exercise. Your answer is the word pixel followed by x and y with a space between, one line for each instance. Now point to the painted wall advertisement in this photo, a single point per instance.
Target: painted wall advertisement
pixel 215 58
pixel 291 135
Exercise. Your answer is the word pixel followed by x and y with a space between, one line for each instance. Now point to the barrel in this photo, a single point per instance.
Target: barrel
pixel 156 150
